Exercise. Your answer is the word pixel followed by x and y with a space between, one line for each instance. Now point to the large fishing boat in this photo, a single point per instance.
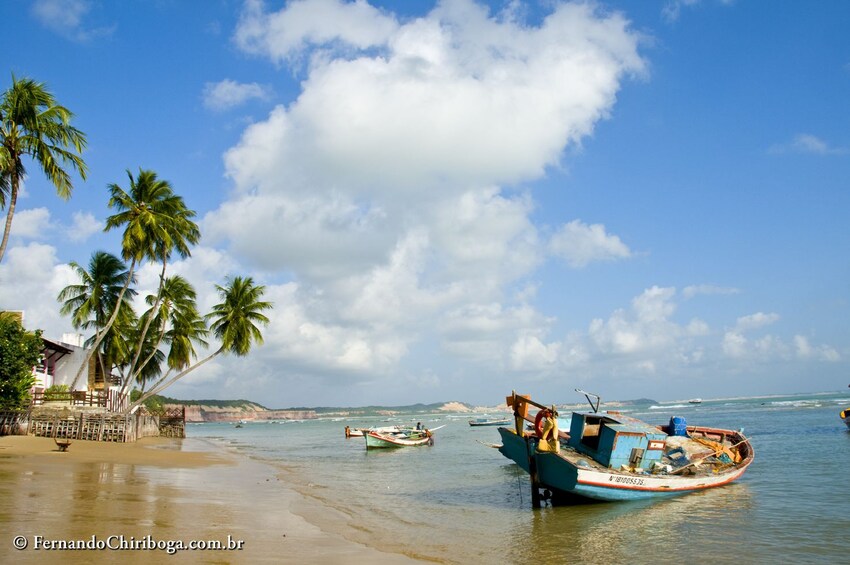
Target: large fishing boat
pixel 610 456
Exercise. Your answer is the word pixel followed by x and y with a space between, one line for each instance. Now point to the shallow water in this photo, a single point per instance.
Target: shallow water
pixel 461 501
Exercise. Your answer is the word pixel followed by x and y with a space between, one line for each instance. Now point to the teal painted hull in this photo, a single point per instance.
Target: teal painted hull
pixel 570 475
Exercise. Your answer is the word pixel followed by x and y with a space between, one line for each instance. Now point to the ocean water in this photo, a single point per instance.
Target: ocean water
pixel 461 501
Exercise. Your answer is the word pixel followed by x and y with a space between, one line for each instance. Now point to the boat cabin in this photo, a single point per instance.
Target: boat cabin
pixel 615 440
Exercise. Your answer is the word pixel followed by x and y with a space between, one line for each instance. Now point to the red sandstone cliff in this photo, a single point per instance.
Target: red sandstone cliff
pixel 250 412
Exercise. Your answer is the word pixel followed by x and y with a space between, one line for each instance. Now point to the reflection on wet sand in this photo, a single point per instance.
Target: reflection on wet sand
pixel 164 494
pixel 609 532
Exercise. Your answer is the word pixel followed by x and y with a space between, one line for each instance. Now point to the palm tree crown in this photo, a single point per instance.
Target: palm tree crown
pixel 92 301
pixel 33 125
pixel 235 318
pixel 156 221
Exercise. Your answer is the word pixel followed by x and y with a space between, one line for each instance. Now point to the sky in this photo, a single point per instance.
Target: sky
pixel 453 200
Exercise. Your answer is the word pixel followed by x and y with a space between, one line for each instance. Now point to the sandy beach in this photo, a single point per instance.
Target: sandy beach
pixel 100 502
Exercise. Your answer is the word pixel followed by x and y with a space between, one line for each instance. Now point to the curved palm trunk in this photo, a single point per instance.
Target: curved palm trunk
pixel 146 361
pixel 102 332
pixel 162 386
pixel 149 319
pixel 13 199
pixel 157 383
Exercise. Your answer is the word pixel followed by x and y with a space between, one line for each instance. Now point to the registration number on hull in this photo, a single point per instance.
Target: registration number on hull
pixel 627 480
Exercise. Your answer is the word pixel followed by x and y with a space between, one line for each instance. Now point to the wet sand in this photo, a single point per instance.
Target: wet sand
pixel 154 493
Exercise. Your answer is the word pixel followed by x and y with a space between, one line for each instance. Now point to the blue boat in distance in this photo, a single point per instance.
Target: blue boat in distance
pixel 490 422
pixel 608 456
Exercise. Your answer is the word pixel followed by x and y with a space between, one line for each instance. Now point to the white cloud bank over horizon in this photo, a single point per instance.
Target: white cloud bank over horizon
pixel 387 209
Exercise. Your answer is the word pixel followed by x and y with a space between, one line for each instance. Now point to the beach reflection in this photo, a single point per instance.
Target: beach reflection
pixel 104 499
pixel 632 531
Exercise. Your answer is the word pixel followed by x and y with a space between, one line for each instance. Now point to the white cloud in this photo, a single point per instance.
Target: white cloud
pixel 672 9
pixel 37 223
pixel 484 235
pixel 807 143
pixel 772 347
pixel 380 188
pixel 229 94
pixel 646 327
pixel 754 321
pixel 318 237
pixel 530 353
pixel 85 224
pixel 707 289
pixel 30 280
pixel 67 18
pixel 697 327
pixel 456 100
pixel 496 337
pixel 805 350
pixel 33 223
pixel 61 14
pixel 285 34
pixel 580 244
pixel 302 339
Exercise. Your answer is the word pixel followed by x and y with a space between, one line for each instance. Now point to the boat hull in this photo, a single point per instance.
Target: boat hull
pixel 377 440
pixel 571 475
pixel 845 415
pixel 360 432
pixel 489 422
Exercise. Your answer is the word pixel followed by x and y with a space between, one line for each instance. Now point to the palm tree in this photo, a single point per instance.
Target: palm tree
pixel 152 231
pixel 174 307
pixel 33 125
pixel 149 370
pixel 234 324
pixel 156 223
pixel 91 302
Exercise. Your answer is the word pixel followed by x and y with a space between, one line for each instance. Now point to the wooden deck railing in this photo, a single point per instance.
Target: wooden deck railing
pixel 74 397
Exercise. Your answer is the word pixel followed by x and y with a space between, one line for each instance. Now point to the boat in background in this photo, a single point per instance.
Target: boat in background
pixel 406 438
pixel 608 456
pixel 490 422
pixel 695 401
pixel 360 432
pixel 845 415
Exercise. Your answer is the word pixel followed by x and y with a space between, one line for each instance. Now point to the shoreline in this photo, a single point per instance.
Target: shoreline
pixel 155 492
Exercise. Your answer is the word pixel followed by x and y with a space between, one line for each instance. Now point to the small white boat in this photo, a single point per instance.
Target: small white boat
pixel 490 422
pixel 406 438
pixel 360 432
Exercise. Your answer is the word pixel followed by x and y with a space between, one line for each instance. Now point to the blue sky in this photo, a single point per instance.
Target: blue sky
pixel 641 199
